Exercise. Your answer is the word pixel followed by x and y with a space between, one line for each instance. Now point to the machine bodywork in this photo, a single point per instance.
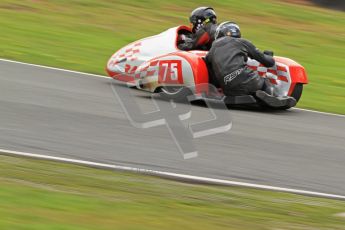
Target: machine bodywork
pixel 155 62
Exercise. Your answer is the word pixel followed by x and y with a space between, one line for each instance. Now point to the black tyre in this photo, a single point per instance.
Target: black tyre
pixel 297 91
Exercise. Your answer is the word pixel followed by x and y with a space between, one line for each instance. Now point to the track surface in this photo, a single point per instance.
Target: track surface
pixel 65 114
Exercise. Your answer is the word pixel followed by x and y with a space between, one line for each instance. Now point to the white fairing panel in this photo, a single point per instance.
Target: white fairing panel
pixel 168 70
pixel 279 78
pixel 143 50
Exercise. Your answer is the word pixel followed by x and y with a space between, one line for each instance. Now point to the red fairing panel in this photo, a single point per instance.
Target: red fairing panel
pixel 297 72
pixel 199 68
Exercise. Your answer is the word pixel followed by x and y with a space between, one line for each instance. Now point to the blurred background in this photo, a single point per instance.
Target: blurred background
pixel 335 4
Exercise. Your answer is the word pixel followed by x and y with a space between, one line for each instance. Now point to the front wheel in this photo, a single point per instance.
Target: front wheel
pixel 176 93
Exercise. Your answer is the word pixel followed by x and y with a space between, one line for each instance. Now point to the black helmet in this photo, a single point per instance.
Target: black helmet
pixel 201 16
pixel 228 29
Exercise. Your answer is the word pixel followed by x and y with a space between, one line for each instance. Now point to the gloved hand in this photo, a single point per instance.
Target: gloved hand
pixel 269 53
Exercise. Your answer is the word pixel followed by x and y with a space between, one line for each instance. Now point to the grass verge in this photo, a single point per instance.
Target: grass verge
pixel 46 195
pixel 82 34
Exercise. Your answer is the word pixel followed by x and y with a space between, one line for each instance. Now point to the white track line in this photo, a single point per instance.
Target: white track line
pixel 102 76
pixel 177 176
pixel 53 68
pixel 319 112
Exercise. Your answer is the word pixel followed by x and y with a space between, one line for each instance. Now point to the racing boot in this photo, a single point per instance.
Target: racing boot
pixel 276 102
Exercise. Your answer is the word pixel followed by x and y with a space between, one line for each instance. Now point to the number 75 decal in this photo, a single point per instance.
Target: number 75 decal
pixel 170 72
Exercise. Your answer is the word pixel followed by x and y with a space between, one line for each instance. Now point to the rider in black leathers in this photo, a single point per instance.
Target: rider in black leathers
pixel 227 61
pixel 204 24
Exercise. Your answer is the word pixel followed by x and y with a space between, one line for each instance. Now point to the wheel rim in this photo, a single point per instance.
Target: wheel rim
pixel 173 90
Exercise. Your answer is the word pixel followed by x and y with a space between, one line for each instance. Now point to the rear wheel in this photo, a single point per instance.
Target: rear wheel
pixel 297 91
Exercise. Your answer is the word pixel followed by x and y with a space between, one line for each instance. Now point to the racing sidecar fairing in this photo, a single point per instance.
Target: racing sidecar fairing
pixel 154 63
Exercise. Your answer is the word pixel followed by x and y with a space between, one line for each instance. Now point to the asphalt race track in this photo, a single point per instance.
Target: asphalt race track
pixel 65 114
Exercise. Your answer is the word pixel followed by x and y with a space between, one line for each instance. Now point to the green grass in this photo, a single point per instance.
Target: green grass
pixel 46 195
pixel 82 34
